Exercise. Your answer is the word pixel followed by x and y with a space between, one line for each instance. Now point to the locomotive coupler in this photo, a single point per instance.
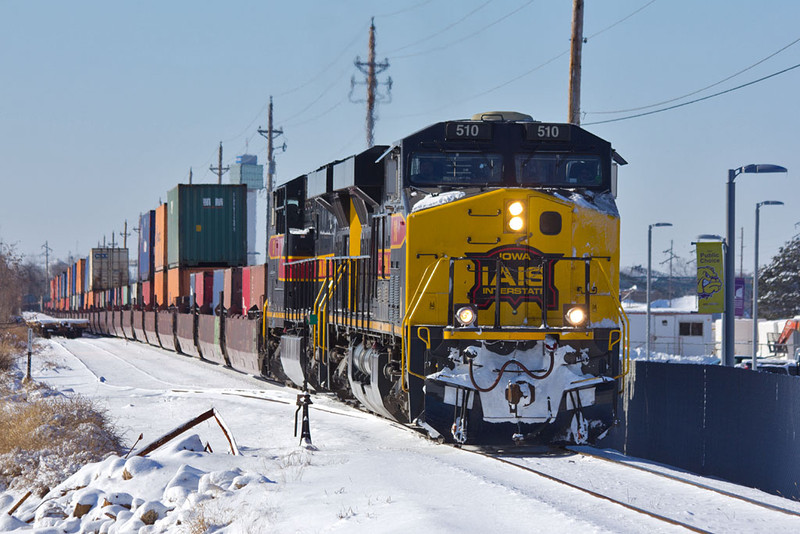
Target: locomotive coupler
pixel 303 402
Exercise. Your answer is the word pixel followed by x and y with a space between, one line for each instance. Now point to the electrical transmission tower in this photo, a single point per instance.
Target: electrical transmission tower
pixel 371 70
pixel 669 259
pixel 219 170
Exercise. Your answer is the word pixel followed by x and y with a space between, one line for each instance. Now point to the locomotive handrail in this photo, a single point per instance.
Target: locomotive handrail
pixel 405 360
pixel 321 308
pixel 625 342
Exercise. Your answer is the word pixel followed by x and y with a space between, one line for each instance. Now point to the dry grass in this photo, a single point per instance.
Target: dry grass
pixel 204 519
pixel 13 342
pixel 45 437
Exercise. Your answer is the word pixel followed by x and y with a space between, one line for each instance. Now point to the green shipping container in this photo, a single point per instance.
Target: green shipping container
pixel 207 225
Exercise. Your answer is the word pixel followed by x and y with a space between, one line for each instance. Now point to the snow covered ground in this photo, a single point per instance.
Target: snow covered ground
pixel 365 474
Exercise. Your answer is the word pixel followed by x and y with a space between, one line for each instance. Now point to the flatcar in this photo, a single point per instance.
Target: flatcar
pixel 463 279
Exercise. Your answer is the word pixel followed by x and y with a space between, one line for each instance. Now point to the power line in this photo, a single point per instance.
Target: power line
pixel 439 32
pixel 298 87
pixel 404 10
pixel 698 90
pixel 327 67
pixel 695 100
pixel 470 36
pixel 620 21
pixel 524 74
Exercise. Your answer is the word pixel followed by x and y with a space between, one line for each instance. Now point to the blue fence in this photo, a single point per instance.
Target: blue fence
pixel 729 423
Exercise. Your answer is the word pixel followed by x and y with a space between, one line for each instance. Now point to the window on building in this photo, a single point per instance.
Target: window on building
pixel 690 329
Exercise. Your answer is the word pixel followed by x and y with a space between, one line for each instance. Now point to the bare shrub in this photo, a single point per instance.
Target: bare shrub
pixel 47 437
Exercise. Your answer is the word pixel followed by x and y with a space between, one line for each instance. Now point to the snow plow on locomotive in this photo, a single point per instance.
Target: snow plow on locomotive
pixel 464 279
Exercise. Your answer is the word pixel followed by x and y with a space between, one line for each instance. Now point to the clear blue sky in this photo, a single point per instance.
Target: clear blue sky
pixel 104 106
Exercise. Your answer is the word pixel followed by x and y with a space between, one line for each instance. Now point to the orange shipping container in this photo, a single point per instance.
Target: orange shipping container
pixel 160 289
pixel 179 281
pixel 80 276
pixel 160 262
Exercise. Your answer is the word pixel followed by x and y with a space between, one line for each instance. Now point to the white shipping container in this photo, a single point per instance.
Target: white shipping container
pixel 108 268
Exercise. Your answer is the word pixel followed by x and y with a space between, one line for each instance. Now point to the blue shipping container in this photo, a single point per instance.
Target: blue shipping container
pixel 219 286
pixel 147 240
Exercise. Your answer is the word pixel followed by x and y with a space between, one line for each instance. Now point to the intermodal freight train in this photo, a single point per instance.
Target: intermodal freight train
pixel 463 279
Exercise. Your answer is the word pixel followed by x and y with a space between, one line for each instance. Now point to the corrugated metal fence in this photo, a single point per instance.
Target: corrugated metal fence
pixel 717 421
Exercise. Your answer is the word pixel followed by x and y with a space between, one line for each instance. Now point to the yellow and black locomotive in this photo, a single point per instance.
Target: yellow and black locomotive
pixel 464 279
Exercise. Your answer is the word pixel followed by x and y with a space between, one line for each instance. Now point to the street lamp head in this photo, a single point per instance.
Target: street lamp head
pixel 711 237
pixel 769 203
pixel 762 168
pixel 658 224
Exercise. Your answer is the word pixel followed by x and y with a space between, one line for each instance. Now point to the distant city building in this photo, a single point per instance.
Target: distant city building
pixel 247 171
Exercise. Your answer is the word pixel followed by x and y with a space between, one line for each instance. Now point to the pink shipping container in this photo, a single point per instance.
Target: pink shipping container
pixel 258 286
pixel 147 293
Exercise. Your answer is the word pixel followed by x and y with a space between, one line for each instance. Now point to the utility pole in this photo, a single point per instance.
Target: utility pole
pixel 575 63
pixel 190 176
pixel 219 170
pixel 125 235
pixel 371 69
pixel 270 134
pixel 47 251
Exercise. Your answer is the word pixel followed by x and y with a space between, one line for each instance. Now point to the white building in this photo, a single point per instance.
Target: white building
pixel 768 333
pixel 676 328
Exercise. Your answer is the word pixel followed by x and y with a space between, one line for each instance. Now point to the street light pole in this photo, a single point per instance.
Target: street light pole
pixel 755 280
pixel 728 334
pixel 649 270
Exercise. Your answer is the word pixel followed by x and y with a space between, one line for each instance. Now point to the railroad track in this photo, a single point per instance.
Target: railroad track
pixel 688 515
pixel 683 480
pixel 585 476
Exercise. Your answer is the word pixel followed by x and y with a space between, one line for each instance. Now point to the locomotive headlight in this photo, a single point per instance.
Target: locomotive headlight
pixel 515 216
pixel 516 223
pixel 576 316
pixel 466 315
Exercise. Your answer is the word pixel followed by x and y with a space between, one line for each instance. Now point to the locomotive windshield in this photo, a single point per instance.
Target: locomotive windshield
pixel 454 168
pixel 559 170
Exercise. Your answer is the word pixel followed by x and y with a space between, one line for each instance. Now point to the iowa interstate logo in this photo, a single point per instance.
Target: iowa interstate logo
pixel 522 276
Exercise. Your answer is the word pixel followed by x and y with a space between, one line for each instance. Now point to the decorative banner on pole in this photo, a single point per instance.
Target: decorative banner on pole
pixel 710 296
pixel 738 297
